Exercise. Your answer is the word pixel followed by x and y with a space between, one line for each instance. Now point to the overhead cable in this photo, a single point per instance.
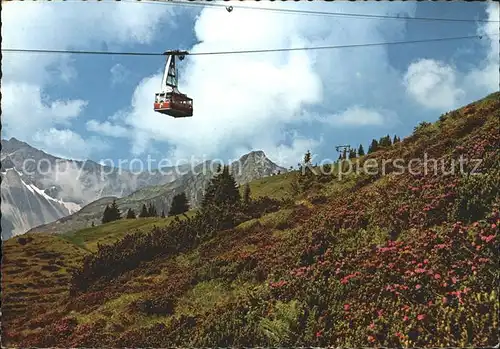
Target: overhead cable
pixel 24 50
pixel 279 10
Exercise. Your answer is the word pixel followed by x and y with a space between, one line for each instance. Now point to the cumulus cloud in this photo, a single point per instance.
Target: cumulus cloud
pixel 291 154
pixel 360 116
pixel 433 84
pixel 486 76
pixel 107 129
pixel 247 100
pixel 25 108
pixel 438 85
pixel 65 143
pixel 60 26
pixel 119 74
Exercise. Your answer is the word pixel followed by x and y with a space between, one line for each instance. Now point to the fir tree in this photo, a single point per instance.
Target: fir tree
pixel 152 210
pixel 373 146
pixel 144 211
pixel 307 158
pixel 306 175
pixel 163 213
pixel 385 141
pixel 361 151
pixel 214 183
pixel 344 154
pixel 179 204
pixel 106 216
pixel 115 213
pixel 222 190
pixel 130 214
pixel 352 153
pixel 246 194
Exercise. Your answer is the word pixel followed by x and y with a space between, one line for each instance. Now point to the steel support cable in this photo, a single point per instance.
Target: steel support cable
pixel 285 11
pixel 21 50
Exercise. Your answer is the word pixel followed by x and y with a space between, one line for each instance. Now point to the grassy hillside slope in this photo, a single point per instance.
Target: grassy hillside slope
pixel 371 259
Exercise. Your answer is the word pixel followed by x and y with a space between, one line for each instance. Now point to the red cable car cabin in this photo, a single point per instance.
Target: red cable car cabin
pixel 170 101
pixel 177 105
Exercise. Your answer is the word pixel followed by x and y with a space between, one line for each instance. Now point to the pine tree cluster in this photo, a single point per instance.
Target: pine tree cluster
pixel 148 211
pixel 383 142
pixel 111 213
pixel 179 204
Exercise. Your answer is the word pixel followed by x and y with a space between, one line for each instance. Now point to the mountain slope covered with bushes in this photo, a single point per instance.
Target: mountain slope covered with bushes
pixel 394 252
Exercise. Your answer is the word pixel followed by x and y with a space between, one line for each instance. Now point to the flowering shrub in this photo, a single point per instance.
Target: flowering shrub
pixel 396 260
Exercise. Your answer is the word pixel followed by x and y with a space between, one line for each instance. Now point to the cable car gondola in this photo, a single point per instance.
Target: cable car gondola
pixel 169 100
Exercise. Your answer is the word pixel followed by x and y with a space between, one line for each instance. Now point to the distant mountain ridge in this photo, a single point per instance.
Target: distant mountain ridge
pixel 70 183
pixel 24 205
pixel 251 166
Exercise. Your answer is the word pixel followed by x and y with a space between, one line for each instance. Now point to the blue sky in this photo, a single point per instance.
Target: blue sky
pixel 100 107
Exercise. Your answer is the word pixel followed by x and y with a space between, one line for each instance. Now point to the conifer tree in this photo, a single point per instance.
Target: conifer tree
pixel 373 146
pixel 212 187
pixel 144 211
pixel 152 210
pixel 106 215
pixel 352 153
pixel 163 213
pixel 385 141
pixel 179 204
pixel 115 213
pixel 361 151
pixel 306 175
pixel 246 194
pixel 344 154
pixel 222 190
pixel 130 214
pixel 307 158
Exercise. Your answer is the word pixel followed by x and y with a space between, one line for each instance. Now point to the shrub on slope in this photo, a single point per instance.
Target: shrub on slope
pixel 390 260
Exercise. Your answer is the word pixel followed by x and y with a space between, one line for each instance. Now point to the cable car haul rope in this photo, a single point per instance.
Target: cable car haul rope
pixel 170 101
pixel 208 4
pixel 20 50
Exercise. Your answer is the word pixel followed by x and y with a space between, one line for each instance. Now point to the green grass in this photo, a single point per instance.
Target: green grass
pixel 88 238
pixel 108 233
pixel 276 187
pixel 36 274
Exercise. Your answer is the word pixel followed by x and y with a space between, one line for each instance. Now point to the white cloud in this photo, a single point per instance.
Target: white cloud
pixel 240 101
pixel 107 129
pixel 438 85
pixel 360 116
pixel 35 25
pixel 67 144
pixel 433 84
pixel 291 155
pixel 119 74
pixel 486 77
pixel 248 99
pixel 26 109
